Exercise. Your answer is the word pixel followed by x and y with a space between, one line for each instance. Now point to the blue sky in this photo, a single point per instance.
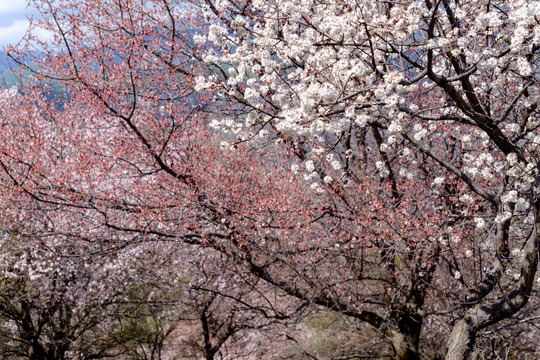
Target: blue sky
pixel 13 22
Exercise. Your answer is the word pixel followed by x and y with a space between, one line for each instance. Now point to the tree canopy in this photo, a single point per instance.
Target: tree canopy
pixel 374 159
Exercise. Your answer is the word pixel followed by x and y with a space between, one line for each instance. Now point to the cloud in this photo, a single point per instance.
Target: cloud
pixel 13 33
pixel 12 6
pixel 13 22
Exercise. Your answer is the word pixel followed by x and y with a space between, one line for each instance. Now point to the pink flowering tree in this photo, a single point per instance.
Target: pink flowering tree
pixel 377 159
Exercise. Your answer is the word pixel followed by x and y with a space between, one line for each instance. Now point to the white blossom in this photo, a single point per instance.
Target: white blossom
pixel 511 159
pixel 438 180
pixel 509 197
pixel 524 68
pixel 480 223
pixel 466 199
pixel 500 218
pixel 336 164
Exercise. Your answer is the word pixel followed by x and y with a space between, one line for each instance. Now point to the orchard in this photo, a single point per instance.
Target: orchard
pixel 371 167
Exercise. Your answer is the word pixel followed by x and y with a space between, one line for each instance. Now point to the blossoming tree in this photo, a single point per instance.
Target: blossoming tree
pixel 58 303
pixel 378 157
pixel 438 98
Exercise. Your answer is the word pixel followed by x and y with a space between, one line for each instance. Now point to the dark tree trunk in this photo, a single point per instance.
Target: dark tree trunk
pixel 486 313
pixel 36 352
pixel 405 336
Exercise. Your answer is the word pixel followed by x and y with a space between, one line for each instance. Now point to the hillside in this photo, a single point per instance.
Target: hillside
pixel 6 78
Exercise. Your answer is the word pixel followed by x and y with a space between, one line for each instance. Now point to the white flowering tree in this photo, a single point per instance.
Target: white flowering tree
pixel 57 303
pixel 439 99
pixel 380 157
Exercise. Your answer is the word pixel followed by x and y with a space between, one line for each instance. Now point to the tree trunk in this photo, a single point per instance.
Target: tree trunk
pixel 404 349
pixel 405 336
pixel 486 313
pixel 461 340
pixel 36 352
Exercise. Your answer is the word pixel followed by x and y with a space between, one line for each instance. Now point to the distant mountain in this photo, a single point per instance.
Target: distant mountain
pixel 6 77
pixel 4 65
